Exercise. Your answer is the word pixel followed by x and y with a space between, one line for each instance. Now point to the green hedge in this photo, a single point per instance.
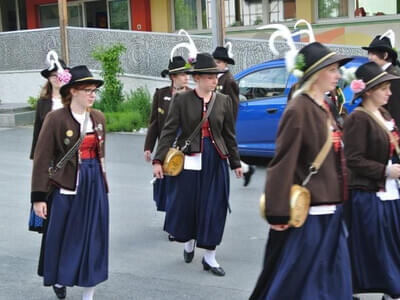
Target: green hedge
pixel 132 114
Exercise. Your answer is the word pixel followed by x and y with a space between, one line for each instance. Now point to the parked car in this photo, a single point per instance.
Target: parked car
pixel 263 92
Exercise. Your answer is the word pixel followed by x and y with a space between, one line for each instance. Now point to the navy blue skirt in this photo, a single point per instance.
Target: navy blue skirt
pixel 198 200
pixel 375 243
pixel 160 193
pixel 310 262
pixel 76 245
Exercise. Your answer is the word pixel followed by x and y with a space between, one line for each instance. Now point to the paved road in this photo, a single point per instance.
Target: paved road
pixel 143 263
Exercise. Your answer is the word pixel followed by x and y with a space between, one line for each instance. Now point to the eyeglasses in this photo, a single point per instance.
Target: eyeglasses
pixel 90 91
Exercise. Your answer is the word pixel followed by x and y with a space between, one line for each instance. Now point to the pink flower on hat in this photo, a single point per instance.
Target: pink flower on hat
pixel 64 76
pixel 357 85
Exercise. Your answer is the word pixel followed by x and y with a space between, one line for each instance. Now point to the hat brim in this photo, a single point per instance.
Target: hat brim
pixel 384 49
pixel 337 58
pixel 46 72
pixel 65 87
pixel 384 78
pixel 166 72
pixel 206 71
pixel 228 60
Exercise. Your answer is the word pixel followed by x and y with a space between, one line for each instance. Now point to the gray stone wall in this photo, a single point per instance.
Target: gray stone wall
pixel 147 54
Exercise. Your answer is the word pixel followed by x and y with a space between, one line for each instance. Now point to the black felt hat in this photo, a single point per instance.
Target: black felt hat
pixel 80 75
pixel 315 57
pixel 221 53
pixel 383 45
pixel 372 75
pixel 175 66
pixel 46 72
pixel 205 64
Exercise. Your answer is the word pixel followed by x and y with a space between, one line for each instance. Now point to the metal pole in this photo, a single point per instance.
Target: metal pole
pixel 218 23
pixel 63 19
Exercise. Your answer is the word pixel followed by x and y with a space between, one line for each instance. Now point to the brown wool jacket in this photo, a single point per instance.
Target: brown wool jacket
pixel 301 135
pixel 228 86
pixel 53 144
pixel 160 106
pixel 393 105
pixel 185 113
pixel 367 148
pixel 43 107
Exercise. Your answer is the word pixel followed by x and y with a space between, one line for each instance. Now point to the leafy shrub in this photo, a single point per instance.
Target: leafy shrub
pixel 138 100
pixel 111 96
pixel 123 121
pixel 32 101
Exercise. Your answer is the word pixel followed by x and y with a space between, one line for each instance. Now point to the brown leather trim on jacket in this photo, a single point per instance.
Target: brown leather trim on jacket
pixel 54 141
pixel 185 113
pixel 367 147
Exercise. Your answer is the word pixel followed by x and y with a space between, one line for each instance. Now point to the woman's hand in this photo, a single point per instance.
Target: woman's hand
pixel 393 171
pixel 147 155
pixel 280 227
pixel 40 209
pixel 238 172
pixel 158 171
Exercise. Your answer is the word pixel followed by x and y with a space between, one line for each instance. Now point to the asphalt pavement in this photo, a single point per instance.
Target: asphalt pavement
pixel 143 263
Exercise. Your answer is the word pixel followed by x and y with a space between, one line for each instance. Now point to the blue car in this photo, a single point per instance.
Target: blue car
pixel 263 92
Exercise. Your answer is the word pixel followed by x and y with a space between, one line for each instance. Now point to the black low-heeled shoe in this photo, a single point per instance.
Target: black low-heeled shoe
pixel 61 292
pixel 218 271
pixel 171 238
pixel 188 256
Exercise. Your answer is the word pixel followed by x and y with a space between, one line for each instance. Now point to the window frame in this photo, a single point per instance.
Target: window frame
pixel 81 3
pixel 350 18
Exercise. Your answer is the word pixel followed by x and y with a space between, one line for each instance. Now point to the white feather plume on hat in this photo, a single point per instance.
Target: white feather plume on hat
pixel 390 35
pixel 190 46
pixel 53 61
pixel 228 47
pixel 283 31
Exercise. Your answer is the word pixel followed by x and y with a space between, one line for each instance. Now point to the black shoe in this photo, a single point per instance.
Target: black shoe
pixel 188 256
pixel 247 175
pixel 61 292
pixel 171 238
pixel 218 271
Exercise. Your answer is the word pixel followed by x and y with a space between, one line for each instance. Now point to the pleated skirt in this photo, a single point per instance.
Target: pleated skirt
pixel 375 243
pixel 198 200
pixel 310 262
pixel 76 243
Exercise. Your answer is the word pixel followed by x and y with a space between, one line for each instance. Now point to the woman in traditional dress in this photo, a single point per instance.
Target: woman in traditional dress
pixel 75 244
pixel 177 72
pixel 311 261
pixel 371 139
pixel 199 195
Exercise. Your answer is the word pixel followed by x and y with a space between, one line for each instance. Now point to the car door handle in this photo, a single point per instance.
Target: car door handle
pixel 272 110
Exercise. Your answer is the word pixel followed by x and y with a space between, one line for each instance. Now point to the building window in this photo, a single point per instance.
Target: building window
pixel 12 15
pixel 365 8
pixel 185 14
pixel 237 12
pixel 114 14
pixel 119 14
pixel 332 8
